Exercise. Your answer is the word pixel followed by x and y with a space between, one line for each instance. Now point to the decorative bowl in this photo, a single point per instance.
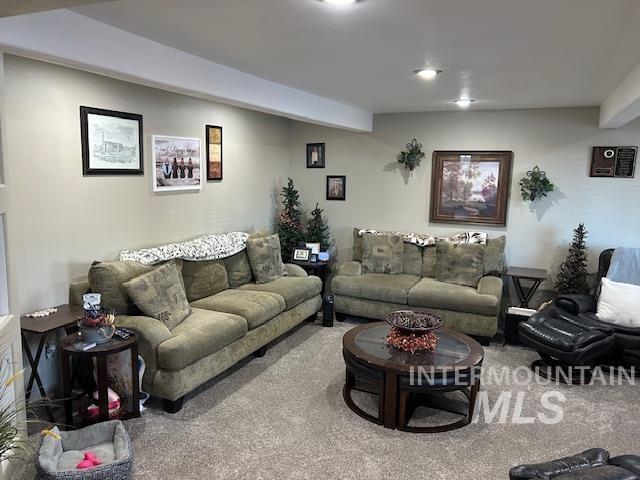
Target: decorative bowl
pixel 414 321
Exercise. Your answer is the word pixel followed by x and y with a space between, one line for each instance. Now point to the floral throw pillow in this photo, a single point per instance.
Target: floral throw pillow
pixel 265 258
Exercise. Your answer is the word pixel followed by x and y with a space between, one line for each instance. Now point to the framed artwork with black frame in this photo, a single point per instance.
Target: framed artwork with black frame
pixel 470 187
pixel 336 187
pixel 213 135
pixel 301 254
pixel 315 155
pixel 111 142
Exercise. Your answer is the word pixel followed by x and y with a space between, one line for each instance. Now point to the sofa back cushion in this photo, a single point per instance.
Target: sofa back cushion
pixel 202 279
pixel 412 259
pixel 429 261
pixel 265 258
pixel 160 294
pixel 494 256
pixel 238 269
pixel 107 278
pixel 382 253
pixel 461 264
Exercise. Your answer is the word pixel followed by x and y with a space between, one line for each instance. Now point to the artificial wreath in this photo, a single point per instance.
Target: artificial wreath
pixel 535 185
pixel 411 157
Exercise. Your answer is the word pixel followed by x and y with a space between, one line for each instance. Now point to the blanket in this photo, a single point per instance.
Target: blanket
pixel 625 266
pixel 425 239
pixel 207 247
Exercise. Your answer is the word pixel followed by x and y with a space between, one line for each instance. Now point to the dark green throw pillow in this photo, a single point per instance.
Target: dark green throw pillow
pixel 461 264
pixel 382 253
pixel 160 294
pixel 238 269
pixel 205 278
pixel 265 258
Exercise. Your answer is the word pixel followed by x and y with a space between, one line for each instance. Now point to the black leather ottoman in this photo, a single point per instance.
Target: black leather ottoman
pixel 593 464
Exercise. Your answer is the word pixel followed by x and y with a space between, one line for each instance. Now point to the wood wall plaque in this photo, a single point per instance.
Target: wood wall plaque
pixel 617 162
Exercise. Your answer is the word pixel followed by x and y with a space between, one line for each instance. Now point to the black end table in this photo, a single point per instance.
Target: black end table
pixel 535 275
pixel 319 269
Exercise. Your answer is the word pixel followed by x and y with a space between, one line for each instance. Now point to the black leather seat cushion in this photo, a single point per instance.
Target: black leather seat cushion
pixel 560 334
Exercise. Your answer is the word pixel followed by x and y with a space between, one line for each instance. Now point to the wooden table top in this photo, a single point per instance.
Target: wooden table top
pixel 114 345
pixel 526 272
pixel 65 316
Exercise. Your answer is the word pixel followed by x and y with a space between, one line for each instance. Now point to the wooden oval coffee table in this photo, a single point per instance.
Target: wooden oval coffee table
pixel 398 377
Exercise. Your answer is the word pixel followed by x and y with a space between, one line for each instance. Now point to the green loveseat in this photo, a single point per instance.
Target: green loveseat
pixel 470 310
pixel 240 319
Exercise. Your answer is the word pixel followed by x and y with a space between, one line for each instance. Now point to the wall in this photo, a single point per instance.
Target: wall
pixel 383 196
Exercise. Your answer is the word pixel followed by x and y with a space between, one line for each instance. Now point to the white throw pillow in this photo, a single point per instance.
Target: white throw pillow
pixel 619 303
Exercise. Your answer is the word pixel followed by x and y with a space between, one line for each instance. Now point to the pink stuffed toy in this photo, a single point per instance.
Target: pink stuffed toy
pixel 90 461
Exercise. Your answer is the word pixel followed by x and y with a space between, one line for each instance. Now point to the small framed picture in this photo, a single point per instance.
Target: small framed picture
pixel 314 247
pixel 176 163
pixel 336 187
pixel 313 258
pixel 213 135
pixel 301 254
pixel 315 155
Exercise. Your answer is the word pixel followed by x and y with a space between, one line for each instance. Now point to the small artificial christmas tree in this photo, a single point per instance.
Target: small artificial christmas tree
pixel 290 227
pixel 572 273
pixel 317 230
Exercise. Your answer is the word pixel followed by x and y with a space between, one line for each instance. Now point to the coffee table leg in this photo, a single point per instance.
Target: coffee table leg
pixel 390 419
pixel 475 388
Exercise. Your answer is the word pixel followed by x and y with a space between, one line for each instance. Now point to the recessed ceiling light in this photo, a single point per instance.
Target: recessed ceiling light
pixel 339 2
pixel 463 102
pixel 427 73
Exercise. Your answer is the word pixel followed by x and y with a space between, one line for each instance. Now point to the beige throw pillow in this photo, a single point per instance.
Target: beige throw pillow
pixel 382 253
pixel 265 258
pixel 461 264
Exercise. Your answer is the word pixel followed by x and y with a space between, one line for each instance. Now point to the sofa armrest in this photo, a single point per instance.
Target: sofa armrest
pixel 151 333
pixel 490 286
pixel 76 290
pixel 294 270
pixel 350 269
pixel 576 303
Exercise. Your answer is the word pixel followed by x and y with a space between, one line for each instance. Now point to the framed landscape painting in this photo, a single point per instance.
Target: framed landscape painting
pixel 213 135
pixel 470 187
pixel 176 163
pixel 111 142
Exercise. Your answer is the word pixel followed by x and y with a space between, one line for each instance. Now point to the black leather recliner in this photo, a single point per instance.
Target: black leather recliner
pixel 593 464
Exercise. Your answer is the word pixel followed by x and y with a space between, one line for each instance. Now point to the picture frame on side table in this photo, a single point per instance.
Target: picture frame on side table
pixel 111 142
pixel 301 254
pixel 314 247
pixel 315 155
pixel 213 136
pixel 336 187
pixel 176 163
pixel 470 187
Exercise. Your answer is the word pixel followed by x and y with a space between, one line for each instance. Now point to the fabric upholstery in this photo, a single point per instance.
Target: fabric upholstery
pixel 294 290
pixel 619 303
pixel 491 286
pixel 382 254
pixel 107 279
pixel 429 262
pixel 431 293
pixel 294 270
pixel 160 294
pixel 76 290
pixel 265 258
pixel 256 307
pixel 202 279
pixel 461 264
pixel 350 269
pixel 200 334
pixel 494 256
pixel 357 245
pixel 238 269
pixel 412 259
pixel 376 286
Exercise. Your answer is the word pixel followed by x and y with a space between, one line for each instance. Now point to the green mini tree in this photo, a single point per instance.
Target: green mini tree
pixel 572 273
pixel 317 229
pixel 290 227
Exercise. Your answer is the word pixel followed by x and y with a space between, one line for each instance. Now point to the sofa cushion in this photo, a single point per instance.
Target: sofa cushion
pixel 107 279
pixel 357 245
pixel 294 290
pixel 429 261
pixel 382 254
pixel 238 269
pixel 160 294
pixel 431 293
pixel 202 279
pixel 494 256
pixel 256 307
pixel 376 286
pixel 202 333
pixel 462 264
pixel 412 259
pixel 265 258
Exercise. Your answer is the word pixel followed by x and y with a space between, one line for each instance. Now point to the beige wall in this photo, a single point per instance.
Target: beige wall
pixel 59 221
pixel 380 195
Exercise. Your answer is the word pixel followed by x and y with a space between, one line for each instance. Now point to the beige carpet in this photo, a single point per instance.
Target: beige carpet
pixel 282 417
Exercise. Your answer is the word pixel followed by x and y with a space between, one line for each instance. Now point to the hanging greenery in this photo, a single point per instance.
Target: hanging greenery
pixel 535 185
pixel 411 157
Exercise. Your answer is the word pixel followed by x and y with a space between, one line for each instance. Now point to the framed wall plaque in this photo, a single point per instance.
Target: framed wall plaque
pixel 470 187
pixel 213 134
pixel 617 162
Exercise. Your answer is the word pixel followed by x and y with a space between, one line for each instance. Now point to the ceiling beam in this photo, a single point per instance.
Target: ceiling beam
pixel 623 104
pixel 71 39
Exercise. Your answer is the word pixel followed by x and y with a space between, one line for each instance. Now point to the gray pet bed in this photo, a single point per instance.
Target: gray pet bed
pixel 109 441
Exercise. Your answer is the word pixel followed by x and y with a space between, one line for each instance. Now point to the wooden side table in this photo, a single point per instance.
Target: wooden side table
pixel 535 275
pixel 66 317
pixel 319 269
pixel 100 353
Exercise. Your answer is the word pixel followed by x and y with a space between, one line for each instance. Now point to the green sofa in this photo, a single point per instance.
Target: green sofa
pixel 240 319
pixel 473 311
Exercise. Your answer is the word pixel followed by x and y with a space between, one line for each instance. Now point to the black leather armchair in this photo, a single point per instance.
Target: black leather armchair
pixel 593 464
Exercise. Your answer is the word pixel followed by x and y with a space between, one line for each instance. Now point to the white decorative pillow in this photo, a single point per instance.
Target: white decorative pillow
pixel 619 303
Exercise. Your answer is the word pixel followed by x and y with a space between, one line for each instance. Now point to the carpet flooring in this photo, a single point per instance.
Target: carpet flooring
pixel 283 417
